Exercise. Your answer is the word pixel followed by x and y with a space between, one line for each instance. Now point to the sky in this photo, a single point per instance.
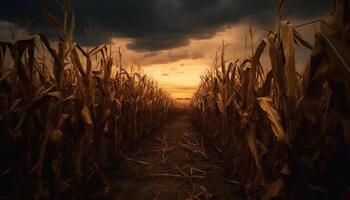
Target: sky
pixel 174 41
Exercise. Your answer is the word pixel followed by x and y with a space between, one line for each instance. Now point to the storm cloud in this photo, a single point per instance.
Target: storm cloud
pixel 154 25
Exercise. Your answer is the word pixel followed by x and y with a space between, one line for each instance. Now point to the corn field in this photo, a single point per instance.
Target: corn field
pixel 285 135
pixel 67 112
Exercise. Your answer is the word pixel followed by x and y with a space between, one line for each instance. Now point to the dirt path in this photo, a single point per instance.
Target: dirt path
pixel 172 164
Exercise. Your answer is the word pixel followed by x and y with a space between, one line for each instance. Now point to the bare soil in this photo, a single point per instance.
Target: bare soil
pixel 173 163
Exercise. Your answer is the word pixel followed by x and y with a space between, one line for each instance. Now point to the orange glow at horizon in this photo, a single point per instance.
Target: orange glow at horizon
pixel 178 70
pixel 178 78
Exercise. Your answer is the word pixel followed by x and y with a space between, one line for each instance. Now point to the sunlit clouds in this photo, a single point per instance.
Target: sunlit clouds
pixel 173 41
pixel 178 70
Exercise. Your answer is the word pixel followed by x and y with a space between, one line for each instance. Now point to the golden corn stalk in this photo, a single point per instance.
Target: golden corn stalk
pixel 289 137
pixel 64 116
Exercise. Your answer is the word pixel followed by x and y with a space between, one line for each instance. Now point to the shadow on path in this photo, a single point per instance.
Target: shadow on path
pixel 173 163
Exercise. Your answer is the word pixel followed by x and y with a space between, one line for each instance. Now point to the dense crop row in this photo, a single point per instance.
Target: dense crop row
pixel 284 135
pixel 68 112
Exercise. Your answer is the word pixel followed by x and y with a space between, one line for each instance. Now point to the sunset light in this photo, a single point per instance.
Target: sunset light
pixel 174 99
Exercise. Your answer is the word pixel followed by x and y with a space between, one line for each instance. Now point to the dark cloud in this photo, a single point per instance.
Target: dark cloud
pixel 160 24
pixel 163 57
pixel 150 54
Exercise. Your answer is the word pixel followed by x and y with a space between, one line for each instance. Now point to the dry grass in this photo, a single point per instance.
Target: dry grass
pixel 288 135
pixel 64 116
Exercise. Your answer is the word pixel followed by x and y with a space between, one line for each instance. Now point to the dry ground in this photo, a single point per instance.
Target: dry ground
pixel 173 163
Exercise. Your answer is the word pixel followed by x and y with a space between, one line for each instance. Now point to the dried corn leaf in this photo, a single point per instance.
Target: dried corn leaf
pixel 287 36
pixel 252 143
pixel 85 113
pixel 56 94
pixel 267 105
pixel 278 72
pixel 50 19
